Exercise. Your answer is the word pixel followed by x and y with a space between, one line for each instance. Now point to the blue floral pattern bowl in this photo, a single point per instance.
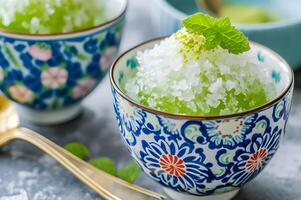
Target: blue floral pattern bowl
pixel 50 74
pixel 202 157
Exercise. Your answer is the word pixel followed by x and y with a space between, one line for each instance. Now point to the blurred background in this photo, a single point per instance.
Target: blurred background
pixel 27 174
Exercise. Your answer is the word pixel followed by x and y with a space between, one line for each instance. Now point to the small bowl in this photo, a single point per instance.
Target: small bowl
pixel 282 36
pixel 48 75
pixel 199 157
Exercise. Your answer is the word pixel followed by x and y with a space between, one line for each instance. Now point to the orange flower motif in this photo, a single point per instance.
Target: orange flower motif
pixel 256 161
pixel 21 93
pixel 54 77
pixel 173 165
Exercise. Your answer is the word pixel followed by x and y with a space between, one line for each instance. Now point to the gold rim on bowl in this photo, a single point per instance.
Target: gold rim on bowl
pixel 105 23
pixel 195 117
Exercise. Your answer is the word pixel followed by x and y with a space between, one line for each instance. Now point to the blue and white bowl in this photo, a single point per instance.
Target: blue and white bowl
pixel 48 75
pixel 199 157
pixel 282 36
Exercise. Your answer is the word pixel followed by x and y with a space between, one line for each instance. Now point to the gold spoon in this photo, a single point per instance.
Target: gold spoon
pixel 107 186
pixel 213 7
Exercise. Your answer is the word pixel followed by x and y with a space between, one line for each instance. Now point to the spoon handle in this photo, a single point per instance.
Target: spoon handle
pixel 109 187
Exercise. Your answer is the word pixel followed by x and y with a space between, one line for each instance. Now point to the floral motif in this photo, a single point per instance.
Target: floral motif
pixel 251 160
pixel 107 58
pixel 40 51
pixel 256 160
pixel 279 110
pixel 83 87
pixel 54 77
pixel 175 165
pixel 132 117
pixel 172 165
pixel 169 126
pixel 21 93
pixel 228 133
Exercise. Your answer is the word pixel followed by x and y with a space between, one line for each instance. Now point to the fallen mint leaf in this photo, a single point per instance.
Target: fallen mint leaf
pixel 78 149
pixel 129 173
pixel 105 164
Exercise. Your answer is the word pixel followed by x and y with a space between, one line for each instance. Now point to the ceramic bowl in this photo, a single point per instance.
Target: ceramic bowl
pixel 49 75
pixel 282 36
pixel 198 157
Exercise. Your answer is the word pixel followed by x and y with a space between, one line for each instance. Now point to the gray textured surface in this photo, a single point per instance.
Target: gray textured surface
pixel 27 174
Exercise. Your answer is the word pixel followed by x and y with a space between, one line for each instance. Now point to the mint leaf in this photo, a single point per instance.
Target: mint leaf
pixel 199 22
pixel 218 32
pixel 78 150
pixel 129 173
pixel 105 164
pixel 231 38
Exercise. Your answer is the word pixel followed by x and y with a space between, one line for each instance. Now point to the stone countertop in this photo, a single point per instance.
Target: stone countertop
pixel 28 174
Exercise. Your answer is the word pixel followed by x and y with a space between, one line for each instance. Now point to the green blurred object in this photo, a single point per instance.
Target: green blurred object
pixel 78 149
pixel 247 14
pixel 105 164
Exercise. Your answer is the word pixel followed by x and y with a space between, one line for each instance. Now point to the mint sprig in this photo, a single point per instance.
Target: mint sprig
pixel 217 32
pixel 128 173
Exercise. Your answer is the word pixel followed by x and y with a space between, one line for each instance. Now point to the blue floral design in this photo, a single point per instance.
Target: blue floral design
pixel 250 161
pixel 169 127
pixel 219 133
pixel 174 165
pixel 117 114
pixel 130 120
pixel 132 117
pixel 279 110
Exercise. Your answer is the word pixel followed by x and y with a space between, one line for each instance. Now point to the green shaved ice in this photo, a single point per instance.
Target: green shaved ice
pixel 50 16
pixel 255 97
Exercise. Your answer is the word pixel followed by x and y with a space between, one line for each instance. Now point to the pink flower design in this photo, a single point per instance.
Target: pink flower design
pixel 21 93
pixel 1 74
pixel 54 77
pixel 40 51
pixel 107 58
pixel 83 87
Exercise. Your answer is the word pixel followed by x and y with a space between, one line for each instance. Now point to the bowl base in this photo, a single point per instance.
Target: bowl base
pixel 181 196
pixel 49 117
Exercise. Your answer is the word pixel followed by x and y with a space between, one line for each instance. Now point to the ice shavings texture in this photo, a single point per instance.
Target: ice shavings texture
pixel 50 16
pixel 213 83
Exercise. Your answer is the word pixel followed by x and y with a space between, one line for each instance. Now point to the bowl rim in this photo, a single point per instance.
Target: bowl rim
pixel 195 117
pixel 243 26
pixel 71 33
